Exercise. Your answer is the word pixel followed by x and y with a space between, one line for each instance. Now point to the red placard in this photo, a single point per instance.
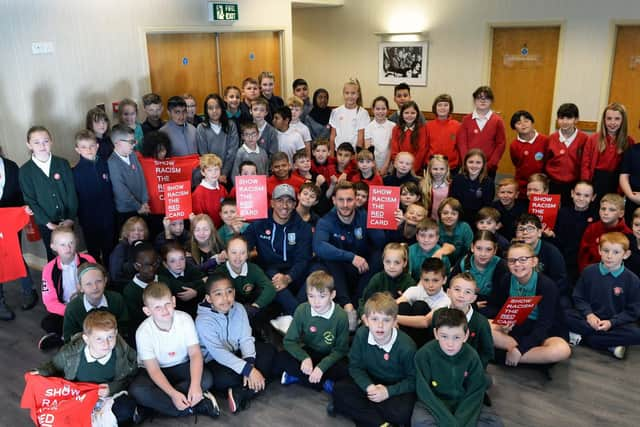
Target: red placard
pixel 383 202
pixel 157 173
pixel 177 200
pixel 517 309
pixel 251 196
pixel 545 207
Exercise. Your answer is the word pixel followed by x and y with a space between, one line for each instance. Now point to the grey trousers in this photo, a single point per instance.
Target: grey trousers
pixel 422 418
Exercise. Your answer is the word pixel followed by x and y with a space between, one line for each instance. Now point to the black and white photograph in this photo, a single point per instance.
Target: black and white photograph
pixel 403 62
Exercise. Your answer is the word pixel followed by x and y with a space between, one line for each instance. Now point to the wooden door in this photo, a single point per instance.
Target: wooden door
pixel 183 63
pixel 247 55
pixel 523 70
pixel 625 78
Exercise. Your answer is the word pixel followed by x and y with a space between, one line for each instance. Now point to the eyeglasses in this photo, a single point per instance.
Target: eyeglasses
pixel 527 229
pixel 519 260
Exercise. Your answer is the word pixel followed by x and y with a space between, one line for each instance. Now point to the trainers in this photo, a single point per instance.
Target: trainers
pixel 29 300
pixel 574 339
pixel 282 323
pixel 287 379
pixel 234 396
pixel 618 352
pixel 50 341
pixel 352 315
pixel 5 312
pixel 327 386
pixel 208 406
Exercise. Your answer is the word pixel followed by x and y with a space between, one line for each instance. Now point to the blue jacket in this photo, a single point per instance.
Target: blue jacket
pixel 95 196
pixel 337 241
pixel 281 248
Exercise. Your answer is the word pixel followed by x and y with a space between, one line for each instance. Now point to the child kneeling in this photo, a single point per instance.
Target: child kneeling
pixel 381 386
pixel 239 364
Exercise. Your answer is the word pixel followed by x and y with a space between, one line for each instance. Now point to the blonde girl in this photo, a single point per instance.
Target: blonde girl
pixel 349 120
pixel 435 184
pixel 207 249
pixel 394 278
pixel 128 115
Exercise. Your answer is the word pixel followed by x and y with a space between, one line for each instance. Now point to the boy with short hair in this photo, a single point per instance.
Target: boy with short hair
pixel 427 235
pixel 250 151
pixel 289 140
pixel 402 170
pixel 181 133
pixel 173 381
pixel 509 205
pixel 96 208
pixel 528 149
pixel 267 134
pixel 146 265
pixel 417 304
pixel 462 293
pixel 59 284
pixel 450 381
pixel 297 105
pixel 362 194
pixel 488 219
pixel 152 104
pixel 402 95
pixel 308 197
pixel 127 179
pixel 301 90
pixel 564 152
pixel 239 365
pixel 281 170
pixel 231 225
pixel 207 196
pixel 317 341
pixel 99 355
pixel 250 93
pixel 611 219
pixel 322 162
pixel 381 386
pixel 607 300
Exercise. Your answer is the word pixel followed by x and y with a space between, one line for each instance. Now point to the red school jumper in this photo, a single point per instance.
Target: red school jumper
pixel 528 158
pixel 295 181
pixel 375 179
pixel 562 162
pixel 590 243
pixel 441 139
pixel 491 139
pixel 420 155
pixel 593 159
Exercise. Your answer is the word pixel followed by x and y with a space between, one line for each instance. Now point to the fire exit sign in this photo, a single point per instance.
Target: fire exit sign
pixel 223 12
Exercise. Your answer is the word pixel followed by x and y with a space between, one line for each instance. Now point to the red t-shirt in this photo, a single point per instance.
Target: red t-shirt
pixel 12 265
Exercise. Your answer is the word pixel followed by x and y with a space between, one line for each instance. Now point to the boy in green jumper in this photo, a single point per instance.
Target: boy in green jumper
pixel 381 386
pixel 317 340
pixel 450 381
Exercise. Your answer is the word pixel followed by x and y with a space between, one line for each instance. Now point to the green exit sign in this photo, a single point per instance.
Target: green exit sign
pixel 223 12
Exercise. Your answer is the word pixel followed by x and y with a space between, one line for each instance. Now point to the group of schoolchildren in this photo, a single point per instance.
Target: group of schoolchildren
pixel 199 310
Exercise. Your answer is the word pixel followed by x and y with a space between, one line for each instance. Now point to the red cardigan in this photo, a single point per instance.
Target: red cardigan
pixel 588 251
pixel 491 139
pixel 420 154
pixel 528 158
pixel 593 159
pixel 562 163
pixel 441 139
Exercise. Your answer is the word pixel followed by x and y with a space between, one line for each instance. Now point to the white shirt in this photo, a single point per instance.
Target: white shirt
pixel 261 128
pixel 90 359
pixel 69 280
pixel 3 178
pixel 88 307
pixel 249 150
pixel 210 186
pixel 347 122
pixel 417 293
pixel 302 129
pixel 124 158
pixel 45 167
pixel 215 128
pixel 169 348
pixel 142 284
pixel 481 120
pixel 380 136
pixel 567 141
pixel 387 347
pixel 289 142
pixel 243 271
pixel 529 141
pixel 326 315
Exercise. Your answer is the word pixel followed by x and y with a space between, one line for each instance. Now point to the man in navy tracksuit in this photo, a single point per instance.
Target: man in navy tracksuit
pixel 349 251
pixel 283 243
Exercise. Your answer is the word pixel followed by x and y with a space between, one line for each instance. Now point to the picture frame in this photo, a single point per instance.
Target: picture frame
pixel 403 62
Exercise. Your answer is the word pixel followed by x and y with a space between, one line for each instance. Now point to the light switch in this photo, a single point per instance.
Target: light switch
pixel 41 48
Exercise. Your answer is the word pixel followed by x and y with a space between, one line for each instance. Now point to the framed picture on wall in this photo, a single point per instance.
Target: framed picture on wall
pixel 403 62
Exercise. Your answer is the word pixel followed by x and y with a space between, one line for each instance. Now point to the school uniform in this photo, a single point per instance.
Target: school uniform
pixel 486 279
pixel 370 363
pixel 509 217
pixel 563 162
pixel 328 169
pixel 461 238
pixel 132 294
pixel 420 303
pixel 610 295
pixel 442 140
pixel 213 139
pixel 268 139
pixel 417 255
pixel 347 122
pixel 528 157
pixel 302 129
pixel 148 127
pixel 318 123
pixel 183 138
pixel 79 307
pixel 382 282
pixel 396 181
pixel 128 184
pixel 374 179
pixel 293 180
pixel 191 277
pixel 490 138
pixel 396 116
pixel 588 251
pixel 402 142
pixel 289 142
pixel 258 156
pixel 631 166
pixel 207 199
pixel 633 262
pixel 551 263
pixel 602 168
pixel 472 193
pixel 105 147
pixel 569 229
pixel 245 114
pixel 275 103
pixel 380 136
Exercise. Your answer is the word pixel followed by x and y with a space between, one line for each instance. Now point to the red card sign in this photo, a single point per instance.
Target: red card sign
pixel 516 310
pixel 545 207
pixel 251 196
pixel 383 201
pixel 157 173
pixel 177 200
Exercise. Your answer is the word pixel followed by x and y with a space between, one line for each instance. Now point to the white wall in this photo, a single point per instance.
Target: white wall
pixel 333 44
pixel 100 57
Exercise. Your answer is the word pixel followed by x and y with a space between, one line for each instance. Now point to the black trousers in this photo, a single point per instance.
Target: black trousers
pixel 285 362
pixel 419 308
pixel 224 377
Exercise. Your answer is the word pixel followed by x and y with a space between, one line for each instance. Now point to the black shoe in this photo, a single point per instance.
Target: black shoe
pixel 50 341
pixel 486 400
pixel 236 398
pixel 140 415
pixel 331 410
pixel 207 406
pixel 29 300
pixel 5 312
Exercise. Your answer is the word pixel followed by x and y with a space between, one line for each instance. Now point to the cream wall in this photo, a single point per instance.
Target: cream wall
pixel 331 45
pixel 100 57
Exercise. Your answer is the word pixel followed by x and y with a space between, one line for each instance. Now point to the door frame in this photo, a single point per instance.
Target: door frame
pixel 282 33
pixel 605 90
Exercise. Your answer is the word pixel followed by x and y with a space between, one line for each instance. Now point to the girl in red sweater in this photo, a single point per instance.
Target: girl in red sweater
pixel 603 151
pixel 441 133
pixel 483 129
pixel 527 150
pixel 410 135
